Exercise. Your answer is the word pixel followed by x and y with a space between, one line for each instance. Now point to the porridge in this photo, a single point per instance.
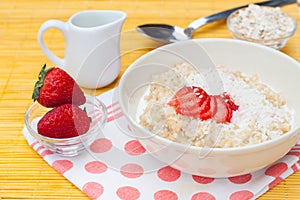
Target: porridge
pixel 252 112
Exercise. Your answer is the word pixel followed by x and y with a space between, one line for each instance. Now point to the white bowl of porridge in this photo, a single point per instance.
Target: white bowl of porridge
pixel 235 118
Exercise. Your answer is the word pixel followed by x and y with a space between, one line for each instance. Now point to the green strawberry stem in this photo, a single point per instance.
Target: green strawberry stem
pixel 40 82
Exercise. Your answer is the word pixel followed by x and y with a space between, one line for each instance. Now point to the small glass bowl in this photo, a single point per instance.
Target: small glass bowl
pixel 275 43
pixel 73 146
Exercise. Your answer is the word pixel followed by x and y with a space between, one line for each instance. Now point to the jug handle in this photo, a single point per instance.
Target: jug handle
pixel 44 27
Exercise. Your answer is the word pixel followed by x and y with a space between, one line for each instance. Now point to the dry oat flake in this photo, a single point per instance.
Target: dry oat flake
pixel 262 23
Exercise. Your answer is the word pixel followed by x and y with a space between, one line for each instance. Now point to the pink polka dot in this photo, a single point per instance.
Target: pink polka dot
pixel 202 180
pixel 101 145
pixel 242 179
pixel 241 195
pixel 46 152
pixel 132 170
pixel 168 174
pixel 203 196
pixel 93 190
pixel 134 147
pixel 40 148
pixel 128 193
pixel 62 165
pixel 277 169
pixel 34 143
pixel 95 167
pixel 275 182
pixel 165 195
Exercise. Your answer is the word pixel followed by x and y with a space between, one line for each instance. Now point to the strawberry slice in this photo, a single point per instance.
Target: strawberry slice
pixel 194 113
pixel 205 106
pixel 205 109
pixel 187 102
pixel 211 111
pixel 221 115
pixel 190 101
pixel 229 114
pixel 229 102
pixel 213 105
pixel 201 94
pixel 179 94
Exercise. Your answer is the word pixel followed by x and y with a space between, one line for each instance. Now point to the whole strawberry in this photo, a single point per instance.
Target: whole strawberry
pixel 64 121
pixel 55 87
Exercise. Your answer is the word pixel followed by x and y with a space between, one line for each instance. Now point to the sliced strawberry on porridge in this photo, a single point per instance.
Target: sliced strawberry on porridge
pixel 196 103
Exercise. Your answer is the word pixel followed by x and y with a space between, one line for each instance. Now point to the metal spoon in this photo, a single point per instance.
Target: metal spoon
pixel 168 33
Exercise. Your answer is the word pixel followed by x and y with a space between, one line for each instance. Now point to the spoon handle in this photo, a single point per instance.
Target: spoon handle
pixel 224 14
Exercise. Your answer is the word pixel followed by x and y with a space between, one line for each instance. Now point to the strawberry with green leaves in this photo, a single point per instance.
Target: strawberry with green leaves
pixel 64 121
pixel 55 87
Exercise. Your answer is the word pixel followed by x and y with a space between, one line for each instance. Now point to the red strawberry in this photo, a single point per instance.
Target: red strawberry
pixel 200 93
pixel 229 114
pixel 55 87
pixel 205 106
pixel 191 101
pixel 179 94
pixel 195 102
pixel 212 111
pixel 64 122
pixel 229 102
pixel 221 115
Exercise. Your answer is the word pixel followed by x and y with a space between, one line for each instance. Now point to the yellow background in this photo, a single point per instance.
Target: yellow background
pixel 23 174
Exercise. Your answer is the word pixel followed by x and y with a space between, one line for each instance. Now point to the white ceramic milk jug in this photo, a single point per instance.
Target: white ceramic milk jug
pixel 92 51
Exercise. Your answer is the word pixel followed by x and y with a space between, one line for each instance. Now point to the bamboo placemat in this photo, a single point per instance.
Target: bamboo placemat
pixel 23 174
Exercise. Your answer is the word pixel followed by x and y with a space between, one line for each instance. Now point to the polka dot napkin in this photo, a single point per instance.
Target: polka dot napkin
pixel 116 166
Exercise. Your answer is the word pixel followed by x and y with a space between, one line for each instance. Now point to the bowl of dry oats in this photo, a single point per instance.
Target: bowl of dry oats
pixel 269 26
pixel 234 118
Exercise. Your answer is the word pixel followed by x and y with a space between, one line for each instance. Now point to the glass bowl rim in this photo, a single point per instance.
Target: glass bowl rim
pixel 38 136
